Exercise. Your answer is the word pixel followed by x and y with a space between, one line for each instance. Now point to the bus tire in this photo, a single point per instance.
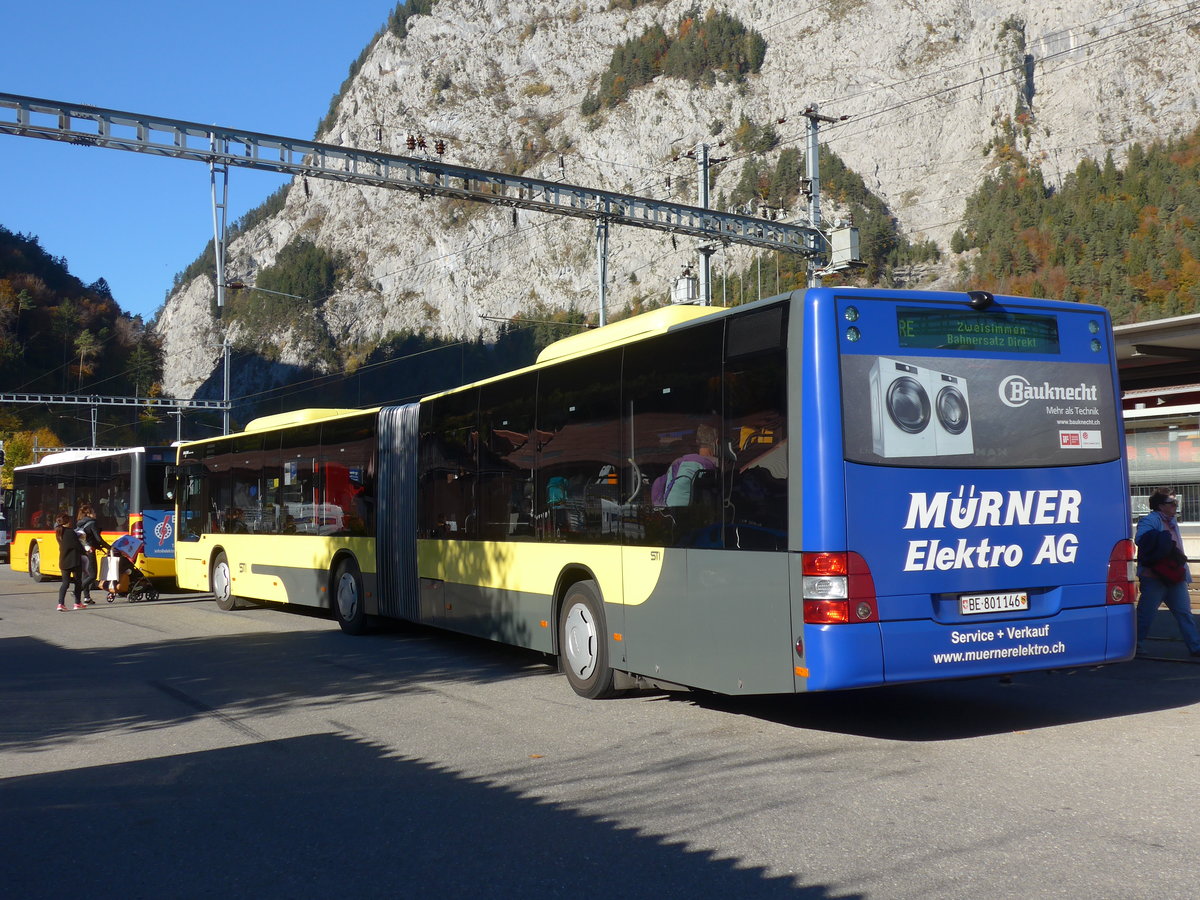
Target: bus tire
pixel 35 563
pixel 583 642
pixel 348 598
pixel 221 583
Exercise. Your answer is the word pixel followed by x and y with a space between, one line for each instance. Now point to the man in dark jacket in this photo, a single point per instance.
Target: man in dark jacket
pixel 89 531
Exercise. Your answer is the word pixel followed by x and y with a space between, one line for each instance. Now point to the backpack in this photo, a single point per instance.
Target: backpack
pixel 674 487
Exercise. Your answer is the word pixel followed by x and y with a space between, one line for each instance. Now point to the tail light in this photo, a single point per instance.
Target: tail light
pixel 838 589
pixel 1122 575
pixel 136 529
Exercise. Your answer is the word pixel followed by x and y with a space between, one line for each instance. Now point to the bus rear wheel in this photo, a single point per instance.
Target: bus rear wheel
pixel 222 584
pixel 583 642
pixel 348 598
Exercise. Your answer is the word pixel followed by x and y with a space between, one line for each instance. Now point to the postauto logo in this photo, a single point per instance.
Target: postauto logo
pixel 1016 391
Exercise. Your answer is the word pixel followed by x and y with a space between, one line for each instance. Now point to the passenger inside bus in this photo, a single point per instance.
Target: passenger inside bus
pixel 235 522
pixel 674 487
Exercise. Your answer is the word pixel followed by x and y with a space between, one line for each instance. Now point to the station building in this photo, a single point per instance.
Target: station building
pixel 1159 367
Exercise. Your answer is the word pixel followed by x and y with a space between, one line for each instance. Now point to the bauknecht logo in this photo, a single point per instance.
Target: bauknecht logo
pixel 1015 391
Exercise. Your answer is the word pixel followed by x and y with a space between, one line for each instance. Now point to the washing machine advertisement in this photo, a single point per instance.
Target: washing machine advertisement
pixel 951 412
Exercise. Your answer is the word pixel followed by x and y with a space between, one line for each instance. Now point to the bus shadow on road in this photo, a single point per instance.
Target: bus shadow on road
pixel 328 815
pixel 53 695
pixel 49 697
pixel 958 710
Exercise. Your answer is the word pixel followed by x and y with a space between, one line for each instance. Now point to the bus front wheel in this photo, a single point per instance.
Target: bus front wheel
pixel 222 585
pixel 348 598
pixel 35 564
pixel 583 642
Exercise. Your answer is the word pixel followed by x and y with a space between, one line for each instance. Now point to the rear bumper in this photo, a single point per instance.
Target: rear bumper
pixel 847 656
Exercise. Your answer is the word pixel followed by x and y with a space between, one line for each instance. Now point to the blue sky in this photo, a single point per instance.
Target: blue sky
pixel 134 219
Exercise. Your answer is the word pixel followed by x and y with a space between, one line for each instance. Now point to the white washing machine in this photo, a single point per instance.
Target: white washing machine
pixel 918 412
pixel 901 410
pixel 951 414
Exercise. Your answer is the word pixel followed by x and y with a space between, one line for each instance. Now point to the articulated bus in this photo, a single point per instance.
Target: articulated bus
pixel 835 488
pixel 127 488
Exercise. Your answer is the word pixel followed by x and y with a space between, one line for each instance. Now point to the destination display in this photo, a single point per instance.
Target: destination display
pixel 998 332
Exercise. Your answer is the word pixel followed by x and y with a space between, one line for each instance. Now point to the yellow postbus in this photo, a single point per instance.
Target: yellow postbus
pixel 127 488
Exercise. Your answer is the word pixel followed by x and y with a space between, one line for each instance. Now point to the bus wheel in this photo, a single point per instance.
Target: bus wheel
pixel 583 642
pixel 35 564
pixel 222 586
pixel 348 598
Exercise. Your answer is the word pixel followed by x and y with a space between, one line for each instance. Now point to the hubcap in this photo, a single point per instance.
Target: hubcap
pixel 347 597
pixel 221 581
pixel 579 640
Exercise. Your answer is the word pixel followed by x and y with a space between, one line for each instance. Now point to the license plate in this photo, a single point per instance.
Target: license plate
pixel 978 604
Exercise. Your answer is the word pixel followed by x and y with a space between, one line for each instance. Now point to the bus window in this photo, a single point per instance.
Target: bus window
pixel 756 431
pixel 114 491
pixel 672 396
pixel 349 505
pixel 506 459
pixel 299 451
pixel 449 465
pixel 577 495
pixel 245 512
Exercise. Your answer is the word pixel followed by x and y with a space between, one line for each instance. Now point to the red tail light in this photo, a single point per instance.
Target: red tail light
pixel 1122 575
pixel 136 529
pixel 838 589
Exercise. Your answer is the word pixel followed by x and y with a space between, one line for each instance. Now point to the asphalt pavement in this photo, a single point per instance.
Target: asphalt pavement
pixel 169 749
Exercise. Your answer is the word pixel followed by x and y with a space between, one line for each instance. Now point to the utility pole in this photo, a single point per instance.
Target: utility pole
pixel 219 210
pixel 602 267
pixel 812 175
pixel 703 202
pixel 812 185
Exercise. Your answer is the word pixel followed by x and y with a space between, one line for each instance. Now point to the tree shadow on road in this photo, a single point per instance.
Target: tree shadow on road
pixel 327 815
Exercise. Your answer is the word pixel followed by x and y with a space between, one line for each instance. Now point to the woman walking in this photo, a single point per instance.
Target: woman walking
pixel 70 561
pixel 92 541
pixel 1163 571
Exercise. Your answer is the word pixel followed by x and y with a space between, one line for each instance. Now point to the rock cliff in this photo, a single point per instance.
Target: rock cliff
pixel 927 88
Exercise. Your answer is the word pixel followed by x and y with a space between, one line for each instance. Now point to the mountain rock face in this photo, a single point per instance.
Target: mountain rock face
pixel 930 90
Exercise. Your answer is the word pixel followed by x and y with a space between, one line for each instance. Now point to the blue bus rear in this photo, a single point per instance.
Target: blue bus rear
pixel 965 504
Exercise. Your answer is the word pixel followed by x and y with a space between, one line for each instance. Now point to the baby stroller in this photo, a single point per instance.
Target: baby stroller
pixel 121 562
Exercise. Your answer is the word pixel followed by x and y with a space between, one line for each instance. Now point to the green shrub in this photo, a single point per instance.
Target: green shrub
pixel 699 48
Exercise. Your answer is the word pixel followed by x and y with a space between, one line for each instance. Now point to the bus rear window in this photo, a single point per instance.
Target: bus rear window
pixel 968 330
